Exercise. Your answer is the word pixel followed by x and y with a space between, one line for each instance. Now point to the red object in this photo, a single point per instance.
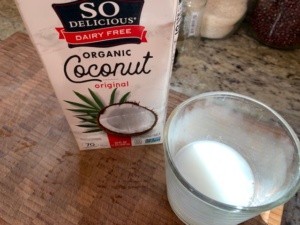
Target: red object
pixel 103 34
pixel 119 141
pixel 276 23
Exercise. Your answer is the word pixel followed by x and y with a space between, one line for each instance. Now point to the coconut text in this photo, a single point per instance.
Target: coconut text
pixel 79 69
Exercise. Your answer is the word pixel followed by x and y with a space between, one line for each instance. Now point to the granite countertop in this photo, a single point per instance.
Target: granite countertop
pixel 237 64
pixel 240 64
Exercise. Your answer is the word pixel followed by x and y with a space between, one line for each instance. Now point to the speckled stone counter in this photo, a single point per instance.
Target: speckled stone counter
pixel 238 64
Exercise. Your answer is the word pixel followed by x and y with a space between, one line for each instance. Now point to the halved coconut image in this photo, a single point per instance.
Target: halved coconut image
pixel 127 119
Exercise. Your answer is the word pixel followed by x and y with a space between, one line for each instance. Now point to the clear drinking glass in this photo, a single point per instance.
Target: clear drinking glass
pixel 228 159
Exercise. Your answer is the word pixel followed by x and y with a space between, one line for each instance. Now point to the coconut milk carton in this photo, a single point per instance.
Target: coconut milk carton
pixel 109 62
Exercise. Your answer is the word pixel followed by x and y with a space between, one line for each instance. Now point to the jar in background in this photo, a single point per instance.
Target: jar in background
pixel 222 17
pixel 192 15
pixel 189 33
pixel 276 23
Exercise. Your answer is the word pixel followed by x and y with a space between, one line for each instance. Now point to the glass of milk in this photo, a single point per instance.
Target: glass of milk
pixel 228 159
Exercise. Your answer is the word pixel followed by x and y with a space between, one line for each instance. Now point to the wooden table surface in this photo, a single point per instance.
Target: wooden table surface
pixel 45 179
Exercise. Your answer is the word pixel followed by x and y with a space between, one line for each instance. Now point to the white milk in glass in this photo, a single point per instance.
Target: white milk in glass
pixel 217 171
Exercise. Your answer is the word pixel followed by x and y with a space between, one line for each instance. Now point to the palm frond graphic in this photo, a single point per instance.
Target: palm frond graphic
pixel 89 107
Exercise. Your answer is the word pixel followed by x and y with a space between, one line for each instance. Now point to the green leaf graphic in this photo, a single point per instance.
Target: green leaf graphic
pixel 93 130
pixel 79 105
pixel 88 125
pixel 87 120
pixel 96 99
pixel 88 112
pixel 124 98
pixel 86 100
pixel 112 97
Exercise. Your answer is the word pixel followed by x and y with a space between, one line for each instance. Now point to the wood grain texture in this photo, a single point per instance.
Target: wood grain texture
pixel 45 179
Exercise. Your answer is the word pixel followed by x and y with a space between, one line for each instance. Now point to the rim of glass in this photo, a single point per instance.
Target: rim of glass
pixel 210 201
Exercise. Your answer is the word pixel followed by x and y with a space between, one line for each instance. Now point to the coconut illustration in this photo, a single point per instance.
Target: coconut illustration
pixel 127 119
pixel 121 117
